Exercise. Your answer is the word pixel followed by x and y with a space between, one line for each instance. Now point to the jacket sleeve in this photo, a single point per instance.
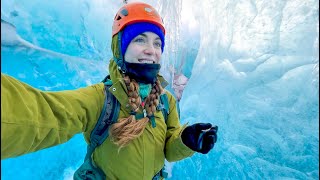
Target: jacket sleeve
pixel 32 119
pixel 175 149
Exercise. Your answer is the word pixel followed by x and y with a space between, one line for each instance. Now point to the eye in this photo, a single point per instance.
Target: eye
pixel 139 40
pixel 158 44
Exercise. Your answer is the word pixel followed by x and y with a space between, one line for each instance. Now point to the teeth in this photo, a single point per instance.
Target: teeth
pixel 145 61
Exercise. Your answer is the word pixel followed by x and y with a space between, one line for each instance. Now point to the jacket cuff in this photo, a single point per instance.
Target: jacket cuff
pixel 184 148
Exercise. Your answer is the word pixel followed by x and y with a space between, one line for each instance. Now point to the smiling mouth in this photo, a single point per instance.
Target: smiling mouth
pixel 146 61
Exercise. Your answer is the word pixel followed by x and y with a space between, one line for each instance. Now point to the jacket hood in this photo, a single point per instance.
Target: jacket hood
pixel 115 47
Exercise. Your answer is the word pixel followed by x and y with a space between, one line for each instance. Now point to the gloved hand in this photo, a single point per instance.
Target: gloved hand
pixel 200 137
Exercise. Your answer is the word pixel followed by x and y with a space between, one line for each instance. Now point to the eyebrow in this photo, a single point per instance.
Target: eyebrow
pixel 144 35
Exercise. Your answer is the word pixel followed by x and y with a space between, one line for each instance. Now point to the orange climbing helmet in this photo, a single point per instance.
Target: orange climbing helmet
pixel 136 12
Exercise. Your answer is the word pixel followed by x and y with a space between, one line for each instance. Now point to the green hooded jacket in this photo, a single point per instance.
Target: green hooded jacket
pixel 32 120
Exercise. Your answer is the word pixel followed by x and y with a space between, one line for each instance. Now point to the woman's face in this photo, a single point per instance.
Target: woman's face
pixel 144 48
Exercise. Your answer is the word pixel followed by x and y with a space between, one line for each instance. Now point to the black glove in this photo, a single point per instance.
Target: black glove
pixel 200 137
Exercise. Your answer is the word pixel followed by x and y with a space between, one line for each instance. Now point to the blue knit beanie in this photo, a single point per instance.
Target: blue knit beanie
pixel 133 30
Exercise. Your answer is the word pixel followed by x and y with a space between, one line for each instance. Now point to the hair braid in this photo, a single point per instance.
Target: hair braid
pixel 128 129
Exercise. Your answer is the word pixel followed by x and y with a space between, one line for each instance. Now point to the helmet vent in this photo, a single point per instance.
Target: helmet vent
pixel 118 18
pixel 148 9
pixel 124 12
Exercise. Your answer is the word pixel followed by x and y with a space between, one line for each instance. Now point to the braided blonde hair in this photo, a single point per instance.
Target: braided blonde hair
pixel 128 129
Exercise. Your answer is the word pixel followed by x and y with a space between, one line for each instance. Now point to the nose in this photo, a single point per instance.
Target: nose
pixel 150 50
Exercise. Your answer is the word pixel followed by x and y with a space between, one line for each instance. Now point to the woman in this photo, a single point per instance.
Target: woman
pixel 32 119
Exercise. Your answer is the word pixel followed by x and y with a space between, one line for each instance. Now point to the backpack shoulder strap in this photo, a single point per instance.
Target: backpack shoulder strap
pixel 108 116
pixel 164 106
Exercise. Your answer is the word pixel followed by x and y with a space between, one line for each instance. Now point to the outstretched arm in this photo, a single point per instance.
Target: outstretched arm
pixel 32 119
